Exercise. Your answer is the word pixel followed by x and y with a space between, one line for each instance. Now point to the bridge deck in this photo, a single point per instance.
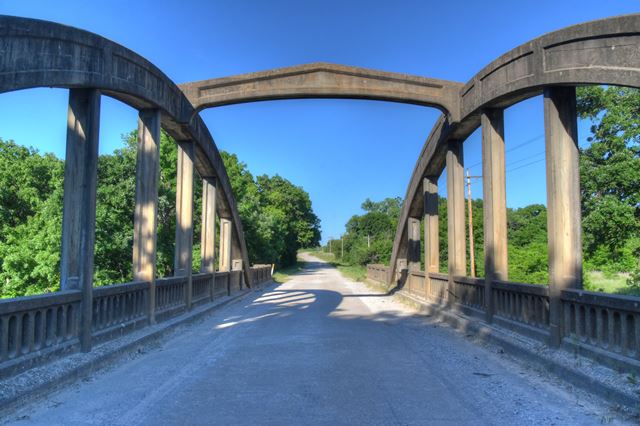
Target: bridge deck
pixel 315 350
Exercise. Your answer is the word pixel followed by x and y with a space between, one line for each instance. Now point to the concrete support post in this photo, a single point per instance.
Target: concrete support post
pixel 431 230
pixel 495 204
pixel 225 245
pixel 236 257
pixel 413 251
pixel 79 206
pixel 563 200
pixel 456 209
pixel 184 216
pixel 208 234
pixel 145 221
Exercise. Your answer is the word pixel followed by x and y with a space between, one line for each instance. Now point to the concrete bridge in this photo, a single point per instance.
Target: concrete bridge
pixel 34 330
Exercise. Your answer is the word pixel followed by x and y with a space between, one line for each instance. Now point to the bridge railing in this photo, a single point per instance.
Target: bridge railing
pixel 603 326
pixel 34 329
pixel 42 325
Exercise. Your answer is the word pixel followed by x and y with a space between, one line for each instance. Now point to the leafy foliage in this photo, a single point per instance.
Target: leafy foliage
pixel 276 214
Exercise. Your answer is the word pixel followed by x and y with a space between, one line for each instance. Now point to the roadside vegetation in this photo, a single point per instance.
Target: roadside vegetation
pixel 285 274
pixel 610 185
pixel 277 216
pixel 349 270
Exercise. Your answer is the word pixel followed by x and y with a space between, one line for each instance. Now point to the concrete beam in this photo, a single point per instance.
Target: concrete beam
pixel 563 200
pixel 325 80
pixel 495 202
pixel 431 226
pixel 184 215
pixel 413 234
pixel 79 205
pixel 208 233
pixel 456 210
pixel 145 222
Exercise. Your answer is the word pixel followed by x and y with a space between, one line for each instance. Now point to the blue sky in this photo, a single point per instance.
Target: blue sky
pixel 340 151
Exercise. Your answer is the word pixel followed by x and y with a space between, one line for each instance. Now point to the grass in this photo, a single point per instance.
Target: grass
pixel 283 275
pixel 609 283
pixel 353 272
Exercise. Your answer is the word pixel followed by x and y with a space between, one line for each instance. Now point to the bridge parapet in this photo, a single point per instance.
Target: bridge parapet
pixel 603 326
pixel 34 329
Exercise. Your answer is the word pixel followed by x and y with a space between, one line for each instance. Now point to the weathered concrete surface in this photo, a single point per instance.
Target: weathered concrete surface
pixel 316 350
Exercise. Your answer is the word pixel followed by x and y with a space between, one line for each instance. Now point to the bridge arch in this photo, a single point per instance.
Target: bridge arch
pixel 37 53
pixel 599 52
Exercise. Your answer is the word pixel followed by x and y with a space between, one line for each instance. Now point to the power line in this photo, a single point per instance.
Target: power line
pixel 526 165
pixel 525 159
pixel 520 145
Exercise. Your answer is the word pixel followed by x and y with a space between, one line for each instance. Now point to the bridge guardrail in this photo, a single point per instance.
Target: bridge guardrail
pixel 38 324
pixel 34 329
pixel 603 326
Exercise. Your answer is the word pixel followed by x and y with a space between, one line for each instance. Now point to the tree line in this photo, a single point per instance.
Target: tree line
pixel 276 214
pixel 610 194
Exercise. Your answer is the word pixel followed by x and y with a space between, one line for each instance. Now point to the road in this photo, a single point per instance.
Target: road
pixel 318 349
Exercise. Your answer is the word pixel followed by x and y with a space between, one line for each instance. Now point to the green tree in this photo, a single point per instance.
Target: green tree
pixel 610 176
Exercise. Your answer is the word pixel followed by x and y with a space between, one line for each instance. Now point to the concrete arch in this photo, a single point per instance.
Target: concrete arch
pixel 35 53
pixel 605 51
pixel 325 80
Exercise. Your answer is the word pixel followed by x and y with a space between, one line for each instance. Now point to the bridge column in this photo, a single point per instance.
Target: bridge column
pixel 455 213
pixel 184 216
pixel 208 234
pixel 236 256
pixel 563 200
pixel 79 205
pixel 145 221
pixel 225 245
pixel 413 252
pixel 495 204
pixel 431 229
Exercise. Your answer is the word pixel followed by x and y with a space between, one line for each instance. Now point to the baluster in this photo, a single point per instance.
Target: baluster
pixel 624 334
pixel 4 337
pixel 600 327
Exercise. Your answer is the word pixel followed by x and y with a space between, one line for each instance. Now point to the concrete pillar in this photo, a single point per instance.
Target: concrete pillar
pixel 431 229
pixel 225 245
pixel 79 205
pixel 184 216
pixel 236 256
pixel 413 252
pixel 456 210
pixel 495 204
pixel 208 234
pixel 563 200
pixel 145 221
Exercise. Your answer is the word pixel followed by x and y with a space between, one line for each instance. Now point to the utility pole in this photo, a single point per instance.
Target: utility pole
pixel 341 247
pixel 368 241
pixel 471 245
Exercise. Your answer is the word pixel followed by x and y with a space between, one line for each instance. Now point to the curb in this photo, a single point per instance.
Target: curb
pixel 491 334
pixel 38 382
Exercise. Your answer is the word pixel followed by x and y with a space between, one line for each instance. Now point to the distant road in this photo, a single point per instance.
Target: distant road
pixel 315 350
